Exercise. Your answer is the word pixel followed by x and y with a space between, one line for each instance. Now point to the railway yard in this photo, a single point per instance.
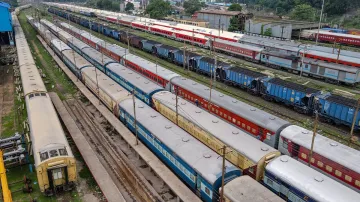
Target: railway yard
pixel 107 120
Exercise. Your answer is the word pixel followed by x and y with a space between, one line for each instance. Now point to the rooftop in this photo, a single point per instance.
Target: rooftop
pixel 220 12
pixel 3 4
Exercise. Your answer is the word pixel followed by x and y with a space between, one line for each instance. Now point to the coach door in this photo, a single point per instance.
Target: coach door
pixel 58 176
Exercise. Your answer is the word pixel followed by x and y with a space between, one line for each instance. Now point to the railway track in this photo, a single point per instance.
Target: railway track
pixel 340 134
pixel 130 181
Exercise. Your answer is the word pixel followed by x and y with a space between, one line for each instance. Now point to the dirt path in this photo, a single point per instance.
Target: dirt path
pixel 6 94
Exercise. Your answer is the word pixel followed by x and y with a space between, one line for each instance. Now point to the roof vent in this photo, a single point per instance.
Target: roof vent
pixel 334 144
pixel 185 139
pixel 194 83
pixel 130 73
pixel 221 95
pixel 215 121
pixel 146 82
pixel 284 159
pixel 272 118
pixel 252 109
pixel 207 156
pixel 168 127
pixel 305 132
pixel 198 111
pixel 318 179
pixel 264 149
pixel 141 106
pixel 234 101
pixel 153 116
pixel 183 79
pixel 138 77
pixel 235 132
pixel 206 88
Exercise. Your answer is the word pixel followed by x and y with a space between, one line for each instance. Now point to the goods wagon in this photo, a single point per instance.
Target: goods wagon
pixel 337 109
pixel 166 52
pixel 244 78
pixel 148 45
pixel 298 96
pixel 207 66
pixel 197 165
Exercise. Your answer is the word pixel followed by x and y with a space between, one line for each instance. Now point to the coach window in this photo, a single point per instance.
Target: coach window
pixel 207 191
pixel 37 94
pixel 221 113
pixel 44 156
pixel 338 173
pixel 243 125
pixel 31 96
pixel 304 156
pixel 248 128
pixel 63 152
pixel 229 118
pixel 43 94
pixel 357 183
pixel 348 178
pixel 238 122
pixel 312 160
pixel 53 153
pixel 329 168
pixel 225 115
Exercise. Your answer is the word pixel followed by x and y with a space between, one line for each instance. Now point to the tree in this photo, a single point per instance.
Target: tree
pixel 303 12
pixel 158 9
pixel 129 6
pixel 191 6
pixel 268 32
pixel 234 24
pixel 235 7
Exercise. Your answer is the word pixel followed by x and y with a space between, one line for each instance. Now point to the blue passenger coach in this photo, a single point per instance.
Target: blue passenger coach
pixel 194 163
pixel 130 80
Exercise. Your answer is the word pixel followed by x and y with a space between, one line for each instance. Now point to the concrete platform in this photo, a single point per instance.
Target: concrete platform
pixel 101 176
pixel 174 183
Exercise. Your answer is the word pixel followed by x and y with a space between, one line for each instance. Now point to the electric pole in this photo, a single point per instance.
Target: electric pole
pixel 136 132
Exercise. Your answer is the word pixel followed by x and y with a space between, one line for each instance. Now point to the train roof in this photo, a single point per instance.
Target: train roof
pixel 232 136
pixel 314 184
pixel 134 78
pixel 335 34
pixel 340 67
pixel 333 56
pixel 50 25
pixel 294 86
pixel 245 188
pixel 97 56
pixel 31 79
pixel 330 50
pixel 242 109
pixel 74 29
pixel 78 43
pixel 330 149
pixel 92 38
pixel 109 86
pixel 240 45
pixel 201 158
pixel 76 59
pixel 152 67
pixel 60 45
pixel 45 128
pixel 118 50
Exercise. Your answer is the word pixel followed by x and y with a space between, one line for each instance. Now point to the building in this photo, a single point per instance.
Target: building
pixel 6 31
pixel 191 21
pixel 276 27
pixel 222 16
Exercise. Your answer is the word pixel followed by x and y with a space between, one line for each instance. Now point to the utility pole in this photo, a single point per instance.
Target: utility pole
pixel 184 59
pixel 338 55
pixel 128 42
pixel 97 86
pixel 176 105
pixel 136 133
pixel 321 13
pixel 73 51
pixel 157 77
pixel 354 121
pixel 215 63
pixel 223 174
pixel 314 134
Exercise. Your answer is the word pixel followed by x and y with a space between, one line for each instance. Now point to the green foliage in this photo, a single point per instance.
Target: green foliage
pixel 234 24
pixel 268 32
pixel 111 5
pixel 129 6
pixel 191 6
pixel 353 21
pixel 303 12
pixel 158 9
pixel 235 7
